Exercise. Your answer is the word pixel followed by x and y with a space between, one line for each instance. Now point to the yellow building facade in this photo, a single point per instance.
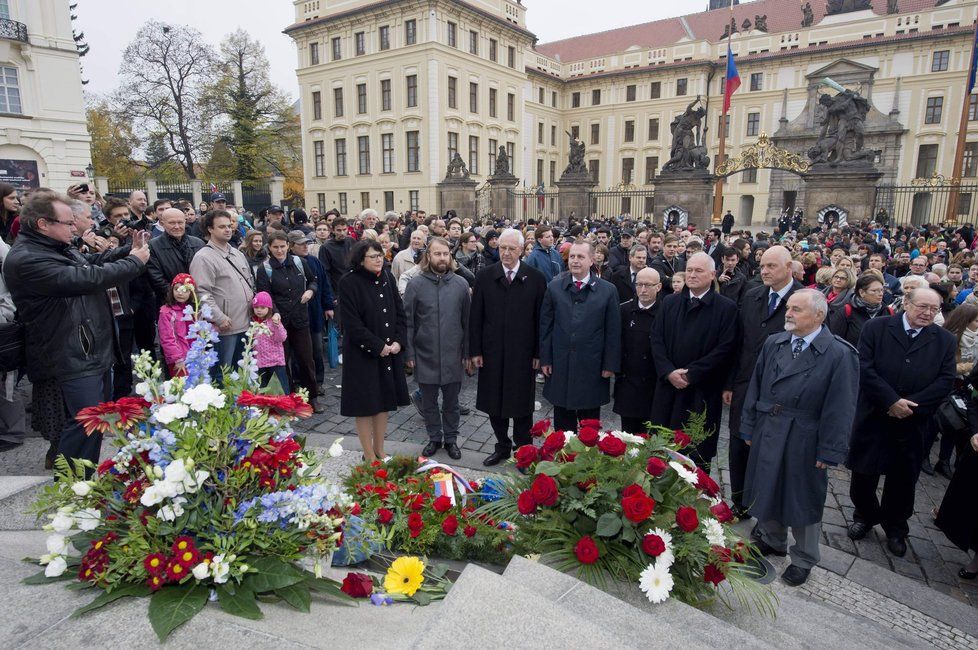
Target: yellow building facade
pixel 391 90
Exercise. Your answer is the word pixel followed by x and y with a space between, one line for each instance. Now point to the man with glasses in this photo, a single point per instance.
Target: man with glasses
pixel 635 383
pixel 67 315
pixel 907 368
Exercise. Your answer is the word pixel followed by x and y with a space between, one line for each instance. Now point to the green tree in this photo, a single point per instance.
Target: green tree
pixel 113 143
pixel 160 160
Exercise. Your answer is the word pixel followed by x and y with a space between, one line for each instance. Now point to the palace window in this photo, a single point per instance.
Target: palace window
pixel 653 128
pixel 681 86
pixel 363 154
pixel 412 90
pixel 337 48
pixel 940 61
pixel 385 37
pixel 337 102
pixel 630 131
pixel 753 123
pixel 387 145
pixel 630 93
pixel 656 90
pixel 385 94
pixel 410 32
pixel 413 151
pixel 935 107
pixel 452 35
pixel 317 105
pixel 340 156
pixel 452 92
pixel 319 158
pixel 314 54
pixel 360 43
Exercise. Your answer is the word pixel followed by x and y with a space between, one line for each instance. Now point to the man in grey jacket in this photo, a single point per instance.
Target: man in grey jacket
pixel 436 305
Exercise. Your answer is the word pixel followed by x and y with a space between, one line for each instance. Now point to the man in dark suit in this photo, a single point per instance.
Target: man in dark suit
pixel 668 262
pixel 906 369
pixel 504 343
pixel 761 315
pixel 635 384
pixel 624 277
pixel 733 283
pixel 693 342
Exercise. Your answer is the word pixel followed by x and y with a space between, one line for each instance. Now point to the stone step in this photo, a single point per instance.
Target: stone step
pixel 485 610
pixel 17 496
pixel 668 623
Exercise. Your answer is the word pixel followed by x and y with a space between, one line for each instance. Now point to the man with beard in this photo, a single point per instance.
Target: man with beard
pixel 436 305
pixel 693 345
pixel 505 345
pixel 635 383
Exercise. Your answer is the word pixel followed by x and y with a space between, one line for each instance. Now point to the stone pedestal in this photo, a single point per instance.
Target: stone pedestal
pixel 849 191
pixel 690 193
pixel 500 194
pixel 457 194
pixel 574 195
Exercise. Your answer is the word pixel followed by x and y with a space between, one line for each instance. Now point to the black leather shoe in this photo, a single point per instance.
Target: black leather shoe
pixel 964 574
pixel 944 469
pixel 430 449
pixel 897 546
pixel 766 549
pixel 495 458
pixel 795 575
pixel 927 468
pixel 858 530
pixel 453 451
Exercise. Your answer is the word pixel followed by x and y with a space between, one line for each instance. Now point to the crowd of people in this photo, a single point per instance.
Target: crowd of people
pixel 835 345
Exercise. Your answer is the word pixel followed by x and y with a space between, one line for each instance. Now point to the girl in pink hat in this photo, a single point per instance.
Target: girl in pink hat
pixel 174 323
pixel 269 351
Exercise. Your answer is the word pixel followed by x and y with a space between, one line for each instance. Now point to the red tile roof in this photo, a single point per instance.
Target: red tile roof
pixel 782 16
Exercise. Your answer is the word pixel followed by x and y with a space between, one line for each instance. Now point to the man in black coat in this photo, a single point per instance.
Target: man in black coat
pixel 335 258
pixel 733 283
pixel 618 255
pixel 761 315
pixel 171 252
pixel 693 341
pixel 668 262
pixel 906 369
pixel 635 384
pixel 727 223
pixel 504 343
pixel 624 277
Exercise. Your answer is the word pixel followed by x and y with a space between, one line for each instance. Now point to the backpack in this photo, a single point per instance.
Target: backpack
pixel 295 260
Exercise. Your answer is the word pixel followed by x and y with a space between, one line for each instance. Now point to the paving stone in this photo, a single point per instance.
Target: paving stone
pixel 907 568
pixel 924 549
pixel 938 572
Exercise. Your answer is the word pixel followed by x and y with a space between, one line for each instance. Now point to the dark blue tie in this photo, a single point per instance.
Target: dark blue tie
pixel 772 304
pixel 796 348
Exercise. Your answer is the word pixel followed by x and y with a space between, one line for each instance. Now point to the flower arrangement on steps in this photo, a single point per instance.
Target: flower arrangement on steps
pixel 210 496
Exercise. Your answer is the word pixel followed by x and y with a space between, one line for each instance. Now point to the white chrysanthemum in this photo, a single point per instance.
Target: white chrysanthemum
pixel 336 449
pixel 203 396
pixel 568 436
pixel 81 488
pixel 687 475
pixel 55 567
pixel 714 532
pixel 628 438
pixel 56 544
pixel 88 519
pixel 170 412
pixel 666 558
pixel 656 582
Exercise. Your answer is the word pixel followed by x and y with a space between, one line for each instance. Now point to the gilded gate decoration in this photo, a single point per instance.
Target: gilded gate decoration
pixel 764 154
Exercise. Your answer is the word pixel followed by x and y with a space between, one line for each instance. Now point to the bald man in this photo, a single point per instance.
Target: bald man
pixel 635 384
pixel 906 369
pixel 171 252
pixel 694 338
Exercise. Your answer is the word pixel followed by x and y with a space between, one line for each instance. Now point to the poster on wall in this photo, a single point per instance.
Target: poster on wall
pixel 22 174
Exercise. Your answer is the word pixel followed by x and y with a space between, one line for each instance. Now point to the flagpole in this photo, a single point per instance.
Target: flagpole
pixel 718 187
pixel 952 205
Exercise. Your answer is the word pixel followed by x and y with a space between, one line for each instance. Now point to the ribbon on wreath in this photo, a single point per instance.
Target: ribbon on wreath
pixel 444 480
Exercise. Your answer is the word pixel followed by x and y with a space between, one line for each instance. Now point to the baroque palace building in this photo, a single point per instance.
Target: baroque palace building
pixel 391 90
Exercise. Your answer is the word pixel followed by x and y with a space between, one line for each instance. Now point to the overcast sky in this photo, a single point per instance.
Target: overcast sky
pixel 110 25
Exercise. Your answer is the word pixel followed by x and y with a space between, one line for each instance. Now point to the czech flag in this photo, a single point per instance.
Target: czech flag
pixel 974 60
pixel 733 80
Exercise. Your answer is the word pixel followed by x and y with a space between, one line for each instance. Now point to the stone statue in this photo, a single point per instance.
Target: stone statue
pixel 730 29
pixel 845 6
pixel 502 163
pixel 760 23
pixel 745 25
pixel 843 120
pixel 576 163
pixel 688 151
pixel 456 167
pixel 893 6
pixel 807 15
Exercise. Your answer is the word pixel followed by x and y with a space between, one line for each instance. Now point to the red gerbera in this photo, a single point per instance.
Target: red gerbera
pixel 154 583
pixel 121 413
pixel 189 558
pixel 155 563
pixel 291 405
pixel 182 543
pixel 175 572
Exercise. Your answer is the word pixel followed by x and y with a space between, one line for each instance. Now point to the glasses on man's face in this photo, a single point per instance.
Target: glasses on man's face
pixel 927 309
pixel 646 285
pixel 63 223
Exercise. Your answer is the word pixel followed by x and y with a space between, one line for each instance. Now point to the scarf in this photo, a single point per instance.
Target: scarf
pixel 869 309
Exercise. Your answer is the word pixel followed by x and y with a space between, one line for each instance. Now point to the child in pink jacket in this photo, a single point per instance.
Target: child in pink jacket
pixel 269 351
pixel 174 326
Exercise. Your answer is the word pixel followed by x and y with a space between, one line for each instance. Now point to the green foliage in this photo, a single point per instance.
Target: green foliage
pixel 106 597
pixel 174 605
pixel 238 601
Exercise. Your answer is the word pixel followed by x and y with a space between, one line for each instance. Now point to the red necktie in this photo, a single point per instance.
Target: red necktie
pixel 578 284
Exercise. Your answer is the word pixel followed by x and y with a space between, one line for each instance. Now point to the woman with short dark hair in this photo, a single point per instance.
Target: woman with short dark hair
pixel 374 333
pixel 9 208
pixel 864 303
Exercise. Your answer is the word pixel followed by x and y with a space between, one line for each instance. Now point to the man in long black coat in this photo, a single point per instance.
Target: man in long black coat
pixel 761 315
pixel 906 369
pixel 635 384
pixel 504 343
pixel 693 341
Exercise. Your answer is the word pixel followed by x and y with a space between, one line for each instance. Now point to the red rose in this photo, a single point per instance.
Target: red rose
pixel 381 474
pixel 588 436
pixel 526 456
pixel 442 504
pixel 612 446
pixel 586 550
pixel 415 522
pixel 686 518
pixel 653 545
pixel 526 503
pixel 553 443
pixel 680 438
pixel 656 466
pixel 450 525
pixel 540 428
pixel 355 510
pixel 591 423
pixel 712 573
pixel 357 585
pixel 416 502
pixel 706 484
pixel 469 531
pixel 384 516
pixel 637 508
pixel 722 512
pixel 544 490
pixel 632 490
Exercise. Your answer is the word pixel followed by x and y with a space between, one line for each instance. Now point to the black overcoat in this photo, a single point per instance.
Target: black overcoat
pixel 504 329
pixel 958 514
pixel 701 338
pixel 891 366
pixel 635 383
pixel 373 316
pixel 622 279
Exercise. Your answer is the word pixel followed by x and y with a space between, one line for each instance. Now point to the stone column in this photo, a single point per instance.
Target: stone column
pixel 500 199
pixel 690 191
pixel 457 194
pixel 102 185
pixel 851 188
pixel 151 194
pixel 238 193
pixel 574 195
pixel 197 189
pixel 277 187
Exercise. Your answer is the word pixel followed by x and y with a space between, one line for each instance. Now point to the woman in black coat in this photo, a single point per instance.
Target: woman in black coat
pixel 374 332
pixel 958 514
pixel 865 303
pixel 292 284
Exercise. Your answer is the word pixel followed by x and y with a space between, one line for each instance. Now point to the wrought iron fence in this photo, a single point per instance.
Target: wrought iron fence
pixel 616 203
pixel 483 201
pixel 925 201
pixel 532 204
pixel 123 190
pixel 225 188
pixel 13 30
pixel 175 191
pixel 256 195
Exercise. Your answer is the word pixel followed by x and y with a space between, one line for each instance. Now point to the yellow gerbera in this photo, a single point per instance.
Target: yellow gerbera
pixel 404 576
